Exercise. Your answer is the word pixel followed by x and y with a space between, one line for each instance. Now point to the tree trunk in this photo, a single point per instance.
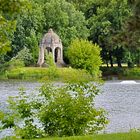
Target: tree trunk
pixel 110 58
pixel 119 63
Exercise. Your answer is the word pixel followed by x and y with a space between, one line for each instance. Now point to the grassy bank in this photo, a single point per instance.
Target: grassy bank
pixel 117 136
pixel 36 73
pixel 68 74
pixel 121 73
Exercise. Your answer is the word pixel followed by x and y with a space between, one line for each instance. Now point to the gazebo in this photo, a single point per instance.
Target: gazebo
pixel 51 43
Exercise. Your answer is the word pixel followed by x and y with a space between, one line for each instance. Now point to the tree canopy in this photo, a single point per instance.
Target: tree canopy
pixel 8 10
pixel 112 24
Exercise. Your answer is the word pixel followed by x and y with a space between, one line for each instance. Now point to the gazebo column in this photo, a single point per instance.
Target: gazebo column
pixel 53 54
pixel 41 56
pixel 61 54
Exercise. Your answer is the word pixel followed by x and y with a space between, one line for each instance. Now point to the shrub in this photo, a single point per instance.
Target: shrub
pixel 52 69
pixel 25 56
pixel 85 55
pixel 133 72
pixel 112 71
pixel 15 63
pixel 61 111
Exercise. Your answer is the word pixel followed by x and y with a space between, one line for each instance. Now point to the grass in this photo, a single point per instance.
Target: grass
pixel 117 136
pixel 45 74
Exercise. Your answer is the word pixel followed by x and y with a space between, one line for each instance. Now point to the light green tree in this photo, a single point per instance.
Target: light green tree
pixel 83 54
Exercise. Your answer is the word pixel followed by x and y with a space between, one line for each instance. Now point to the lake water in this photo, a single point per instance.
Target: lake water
pixel 120 100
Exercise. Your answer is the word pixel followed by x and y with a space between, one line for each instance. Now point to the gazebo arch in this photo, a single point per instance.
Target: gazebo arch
pixel 51 43
pixel 57 55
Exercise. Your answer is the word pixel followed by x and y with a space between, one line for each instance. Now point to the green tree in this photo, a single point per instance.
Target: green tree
pixel 85 55
pixel 30 25
pixel 105 21
pixel 68 22
pixel 81 5
pixel 25 56
pixel 130 36
pixel 8 10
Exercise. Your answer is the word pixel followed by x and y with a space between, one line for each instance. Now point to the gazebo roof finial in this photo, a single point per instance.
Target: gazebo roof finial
pixel 50 30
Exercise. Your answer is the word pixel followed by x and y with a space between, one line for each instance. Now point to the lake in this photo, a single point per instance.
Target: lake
pixel 120 99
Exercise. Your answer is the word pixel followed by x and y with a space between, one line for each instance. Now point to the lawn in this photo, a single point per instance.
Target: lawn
pixel 117 136
pixel 58 74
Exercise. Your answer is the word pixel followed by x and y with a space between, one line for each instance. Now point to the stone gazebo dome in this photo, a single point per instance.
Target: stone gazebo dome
pixel 51 43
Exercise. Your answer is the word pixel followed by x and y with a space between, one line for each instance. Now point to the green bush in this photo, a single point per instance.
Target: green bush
pixel 25 56
pixel 52 72
pixel 15 63
pixel 134 72
pixel 85 55
pixel 70 75
pixel 61 110
pixel 112 71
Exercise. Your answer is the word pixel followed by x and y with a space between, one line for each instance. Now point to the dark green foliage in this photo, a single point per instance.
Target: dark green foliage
pixel 64 110
pixel 29 30
pixel 105 21
pixel 7 21
pixel 68 22
pixel 116 71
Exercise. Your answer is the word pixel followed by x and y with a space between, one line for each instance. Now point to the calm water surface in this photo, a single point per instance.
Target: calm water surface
pixel 121 101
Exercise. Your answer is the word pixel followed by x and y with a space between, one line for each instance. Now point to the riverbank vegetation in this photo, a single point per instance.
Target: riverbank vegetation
pixel 46 74
pixel 122 73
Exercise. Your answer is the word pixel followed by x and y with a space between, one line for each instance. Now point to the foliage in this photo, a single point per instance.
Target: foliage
pixel 60 111
pixel 25 56
pixel 52 69
pixel 129 36
pixel 70 75
pixel 67 75
pixel 7 22
pixel 65 20
pixel 6 30
pixel 112 71
pixel 105 20
pixel 81 5
pixel 15 63
pixel 70 110
pixel 85 55
pixel 29 29
pixel 134 72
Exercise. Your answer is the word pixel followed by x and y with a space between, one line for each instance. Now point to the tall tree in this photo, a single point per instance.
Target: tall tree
pixel 105 20
pixel 8 10
pixel 68 22
pixel 133 30
pixel 30 26
pixel 130 35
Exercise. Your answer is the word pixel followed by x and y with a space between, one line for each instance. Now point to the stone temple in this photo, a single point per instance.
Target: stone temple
pixel 51 43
